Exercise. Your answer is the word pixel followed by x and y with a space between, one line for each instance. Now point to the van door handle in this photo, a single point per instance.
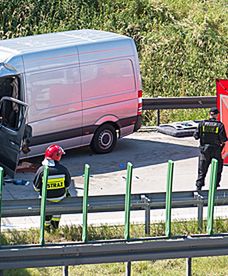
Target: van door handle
pixel 13 143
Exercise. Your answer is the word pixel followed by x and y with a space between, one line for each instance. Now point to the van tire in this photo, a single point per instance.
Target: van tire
pixel 104 139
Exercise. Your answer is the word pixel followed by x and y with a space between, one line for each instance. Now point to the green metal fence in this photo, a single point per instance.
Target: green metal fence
pixel 169 185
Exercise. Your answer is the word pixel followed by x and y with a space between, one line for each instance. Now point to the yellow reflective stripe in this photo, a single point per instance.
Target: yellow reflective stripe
pixel 55 219
pixel 216 130
pixel 55 183
pixel 203 128
pixel 56 176
pixel 36 189
pixel 54 200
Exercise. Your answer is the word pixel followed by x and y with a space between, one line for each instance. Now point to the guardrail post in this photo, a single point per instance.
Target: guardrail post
pixel 85 203
pixel 127 211
pixel 158 117
pixel 188 266
pixel 211 196
pixel 146 202
pixel 1 189
pixel 200 210
pixel 65 271
pixel 169 185
pixel 128 269
pixel 43 204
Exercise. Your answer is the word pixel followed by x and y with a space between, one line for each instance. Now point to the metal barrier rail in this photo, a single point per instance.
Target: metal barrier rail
pixel 178 102
pixel 111 203
pixel 112 251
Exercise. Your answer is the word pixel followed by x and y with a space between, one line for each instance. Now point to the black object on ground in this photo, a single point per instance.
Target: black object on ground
pixel 179 129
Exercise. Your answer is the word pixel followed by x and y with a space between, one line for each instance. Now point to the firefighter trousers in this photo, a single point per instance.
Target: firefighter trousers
pixel 52 221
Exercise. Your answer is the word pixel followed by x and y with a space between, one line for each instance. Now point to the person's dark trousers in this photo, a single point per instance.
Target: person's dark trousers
pixel 47 224
pixel 208 152
pixel 52 221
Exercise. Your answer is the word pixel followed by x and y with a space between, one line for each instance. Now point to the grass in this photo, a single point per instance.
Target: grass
pixel 107 232
pixel 201 266
pixel 211 266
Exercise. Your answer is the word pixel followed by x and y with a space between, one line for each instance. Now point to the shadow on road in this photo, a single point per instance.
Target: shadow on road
pixel 140 153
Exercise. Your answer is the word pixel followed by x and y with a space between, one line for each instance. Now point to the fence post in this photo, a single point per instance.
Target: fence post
pixel 188 266
pixel 200 209
pixel 158 117
pixel 169 185
pixel 211 196
pixel 146 202
pixel 128 269
pixel 43 204
pixel 127 211
pixel 128 201
pixel 85 202
pixel 65 271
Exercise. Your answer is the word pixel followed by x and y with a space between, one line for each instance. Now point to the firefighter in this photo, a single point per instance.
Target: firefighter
pixel 57 184
pixel 212 137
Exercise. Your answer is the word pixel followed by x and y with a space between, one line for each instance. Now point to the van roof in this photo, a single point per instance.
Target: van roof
pixel 41 42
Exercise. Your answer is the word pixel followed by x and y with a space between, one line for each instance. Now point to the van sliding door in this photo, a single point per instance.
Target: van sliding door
pixel 55 108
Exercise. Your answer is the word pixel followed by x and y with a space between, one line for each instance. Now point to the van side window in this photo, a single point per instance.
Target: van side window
pixel 109 78
pixel 10 112
pixel 51 90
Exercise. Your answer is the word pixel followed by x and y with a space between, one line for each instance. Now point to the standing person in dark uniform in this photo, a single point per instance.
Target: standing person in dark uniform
pixel 212 137
pixel 57 184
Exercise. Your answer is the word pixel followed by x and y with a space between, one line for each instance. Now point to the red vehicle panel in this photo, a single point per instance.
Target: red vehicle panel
pixel 222 104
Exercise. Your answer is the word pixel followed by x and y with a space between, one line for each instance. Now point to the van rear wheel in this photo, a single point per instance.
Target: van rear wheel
pixel 104 139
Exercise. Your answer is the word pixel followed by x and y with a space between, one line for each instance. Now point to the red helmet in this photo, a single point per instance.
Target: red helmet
pixel 54 152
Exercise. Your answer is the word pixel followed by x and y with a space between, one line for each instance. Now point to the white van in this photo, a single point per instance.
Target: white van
pixel 80 87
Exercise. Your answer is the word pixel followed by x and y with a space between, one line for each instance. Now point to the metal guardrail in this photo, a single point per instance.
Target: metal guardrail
pixel 111 251
pixel 111 203
pixel 178 102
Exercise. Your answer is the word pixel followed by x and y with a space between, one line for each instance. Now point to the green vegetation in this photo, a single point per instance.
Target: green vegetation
pixel 182 44
pixel 213 266
pixel 201 266
pixel 107 232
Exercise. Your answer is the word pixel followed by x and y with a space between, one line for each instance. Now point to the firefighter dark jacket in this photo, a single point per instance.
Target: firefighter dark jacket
pixel 58 181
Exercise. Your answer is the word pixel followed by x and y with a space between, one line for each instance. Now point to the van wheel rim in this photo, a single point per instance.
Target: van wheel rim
pixel 105 139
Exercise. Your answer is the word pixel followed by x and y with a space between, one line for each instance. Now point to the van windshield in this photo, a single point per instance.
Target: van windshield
pixel 10 87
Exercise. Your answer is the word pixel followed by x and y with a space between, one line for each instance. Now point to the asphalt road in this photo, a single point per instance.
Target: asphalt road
pixel 149 153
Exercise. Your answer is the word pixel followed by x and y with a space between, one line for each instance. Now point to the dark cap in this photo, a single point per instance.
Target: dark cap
pixel 214 111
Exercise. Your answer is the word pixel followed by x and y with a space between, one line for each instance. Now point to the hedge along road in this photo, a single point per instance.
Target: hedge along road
pixel 149 153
